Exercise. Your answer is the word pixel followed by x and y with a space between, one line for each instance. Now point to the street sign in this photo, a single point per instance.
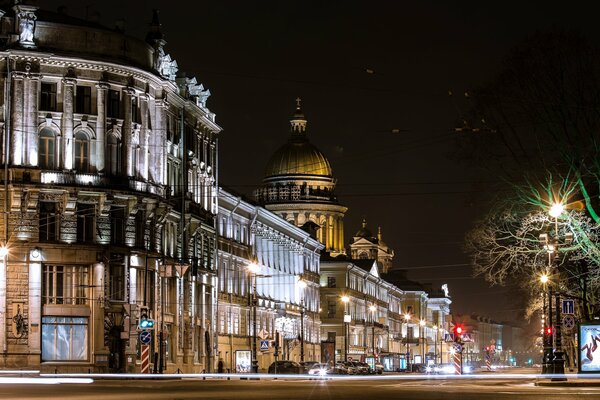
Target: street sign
pixel 568 322
pixel 457 347
pixel 145 337
pixel 264 345
pixel 568 306
pixel 449 337
pixel 466 337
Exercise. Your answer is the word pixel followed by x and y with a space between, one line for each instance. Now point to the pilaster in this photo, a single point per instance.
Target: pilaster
pixel 67 122
pixel 126 135
pixel 102 88
pixel 17 111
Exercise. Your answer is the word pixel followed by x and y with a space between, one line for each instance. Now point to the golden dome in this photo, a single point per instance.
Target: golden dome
pixel 298 158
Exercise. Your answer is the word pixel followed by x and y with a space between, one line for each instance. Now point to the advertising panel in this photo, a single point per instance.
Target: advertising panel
pixel 328 352
pixel 243 361
pixel 589 347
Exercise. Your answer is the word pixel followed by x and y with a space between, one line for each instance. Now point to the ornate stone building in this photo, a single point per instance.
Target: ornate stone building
pixel 287 286
pixel 366 246
pixel 299 186
pixel 108 200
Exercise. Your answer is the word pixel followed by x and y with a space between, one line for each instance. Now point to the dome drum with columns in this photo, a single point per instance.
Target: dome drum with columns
pixel 299 186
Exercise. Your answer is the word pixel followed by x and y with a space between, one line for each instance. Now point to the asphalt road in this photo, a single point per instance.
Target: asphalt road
pixel 294 389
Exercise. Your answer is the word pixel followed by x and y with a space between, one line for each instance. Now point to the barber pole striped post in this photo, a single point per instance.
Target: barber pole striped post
pixel 457 363
pixel 488 361
pixel 145 359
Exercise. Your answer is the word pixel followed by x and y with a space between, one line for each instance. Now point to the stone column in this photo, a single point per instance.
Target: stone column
pixel 126 134
pixel 31 113
pixel 144 137
pixel 100 161
pixel 158 150
pixel 18 129
pixel 67 122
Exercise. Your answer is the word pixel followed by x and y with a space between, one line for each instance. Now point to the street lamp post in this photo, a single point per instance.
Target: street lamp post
pixel 407 320
pixel 435 332
pixel 373 310
pixel 422 339
pixel 346 300
pixel 253 269
pixel 303 286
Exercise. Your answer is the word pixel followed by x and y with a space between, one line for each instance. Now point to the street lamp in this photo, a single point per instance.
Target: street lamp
pixel 435 330
pixel 302 284
pixel 345 299
pixel 422 339
pixel 407 317
pixel 373 310
pixel 253 269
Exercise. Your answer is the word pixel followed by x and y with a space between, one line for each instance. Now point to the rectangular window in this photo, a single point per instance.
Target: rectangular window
pixel 331 308
pixel 117 282
pixel 113 104
pixel 49 223
pixel 117 225
pixel 331 281
pixel 65 284
pixel 64 339
pixel 83 100
pixel 86 223
pixel 48 97
pixel 135 111
pixel 140 229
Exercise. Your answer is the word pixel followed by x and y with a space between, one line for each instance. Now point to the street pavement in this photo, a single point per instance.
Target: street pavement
pixel 363 388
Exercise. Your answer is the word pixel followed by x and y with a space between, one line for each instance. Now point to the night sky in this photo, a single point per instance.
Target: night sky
pixel 362 68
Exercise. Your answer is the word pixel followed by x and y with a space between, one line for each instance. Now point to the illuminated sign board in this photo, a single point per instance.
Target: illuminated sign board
pixel 589 347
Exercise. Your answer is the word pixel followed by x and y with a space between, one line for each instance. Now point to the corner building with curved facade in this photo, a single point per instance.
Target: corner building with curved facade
pixel 299 186
pixel 108 200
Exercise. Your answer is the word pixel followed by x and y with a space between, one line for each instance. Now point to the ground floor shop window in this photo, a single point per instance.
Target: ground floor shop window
pixel 64 339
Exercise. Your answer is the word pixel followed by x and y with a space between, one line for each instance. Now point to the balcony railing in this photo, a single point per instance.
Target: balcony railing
pixel 71 178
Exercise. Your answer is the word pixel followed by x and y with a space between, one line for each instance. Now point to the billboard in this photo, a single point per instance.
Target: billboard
pixel 589 347
pixel 243 361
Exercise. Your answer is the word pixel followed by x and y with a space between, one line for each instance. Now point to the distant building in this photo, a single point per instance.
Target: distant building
pixel 299 186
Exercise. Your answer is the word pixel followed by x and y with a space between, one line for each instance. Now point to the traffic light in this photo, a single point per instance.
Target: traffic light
pixel 145 321
pixel 458 332
pixel 549 331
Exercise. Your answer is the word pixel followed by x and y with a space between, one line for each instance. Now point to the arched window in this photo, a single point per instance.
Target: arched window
pixel 82 151
pixel 46 148
pixel 113 155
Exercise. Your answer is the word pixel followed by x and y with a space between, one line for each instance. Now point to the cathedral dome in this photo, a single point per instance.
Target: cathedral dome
pixel 298 156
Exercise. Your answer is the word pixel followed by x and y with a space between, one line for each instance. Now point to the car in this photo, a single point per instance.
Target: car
pixel 320 369
pixel 285 367
pixel 308 365
pixel 378 369
pixel 362 368
pixel 348 367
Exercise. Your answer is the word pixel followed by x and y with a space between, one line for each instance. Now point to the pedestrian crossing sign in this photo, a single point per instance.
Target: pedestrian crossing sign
pixel 264 345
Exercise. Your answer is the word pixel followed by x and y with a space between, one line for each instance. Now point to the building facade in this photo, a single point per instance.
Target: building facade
pixel 277 305
pixel 109 199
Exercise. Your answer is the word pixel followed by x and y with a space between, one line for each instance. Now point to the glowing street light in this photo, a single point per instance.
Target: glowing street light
pixel 544 278
pixel 3 251
pixel 556 210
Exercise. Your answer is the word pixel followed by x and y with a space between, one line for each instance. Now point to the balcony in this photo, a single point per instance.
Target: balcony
pixel 72 178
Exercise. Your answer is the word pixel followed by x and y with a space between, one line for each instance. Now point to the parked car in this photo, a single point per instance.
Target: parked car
pixel 348 367
pixel 285 367
pixel 362 368
pixel 378 368
pixel 307 365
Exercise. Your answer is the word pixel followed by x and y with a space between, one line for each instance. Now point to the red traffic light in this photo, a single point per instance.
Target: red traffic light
pixel 549 330
pixel 459 330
